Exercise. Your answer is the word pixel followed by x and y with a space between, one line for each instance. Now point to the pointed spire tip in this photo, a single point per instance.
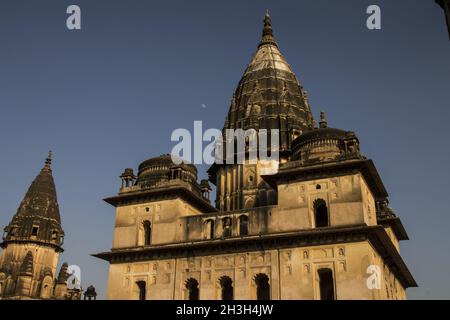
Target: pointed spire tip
pixel 267 34
pixel 48 160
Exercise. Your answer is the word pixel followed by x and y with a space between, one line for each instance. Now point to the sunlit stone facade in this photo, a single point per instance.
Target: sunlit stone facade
pixel 316 229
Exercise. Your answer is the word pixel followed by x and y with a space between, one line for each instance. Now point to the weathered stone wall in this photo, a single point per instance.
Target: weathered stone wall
pixel 164 217
pixel 348 199
pixel 292 273
pixel 12 258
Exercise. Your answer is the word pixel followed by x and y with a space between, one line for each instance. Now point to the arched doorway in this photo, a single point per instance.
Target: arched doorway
pixel 226 226
pixel 226 285
pixel 142 289
pixel 262 287
pixel 209 230
pixel 326 284
pixel 321 213
pixel 243 225
pixel 147 233
pixel 193 290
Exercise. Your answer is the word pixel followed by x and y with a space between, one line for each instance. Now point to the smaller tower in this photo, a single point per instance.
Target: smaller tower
pixel 32 242
pixel 205 188
pixel 61 283
pixel 128 178
pixel 323 121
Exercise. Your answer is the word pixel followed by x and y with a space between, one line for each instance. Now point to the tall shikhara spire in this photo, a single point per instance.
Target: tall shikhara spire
pixel 32 242
pixel 269 95
pixel 38 219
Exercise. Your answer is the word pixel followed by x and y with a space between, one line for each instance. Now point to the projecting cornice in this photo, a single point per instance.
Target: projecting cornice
pixel 162 193
pixel 376 235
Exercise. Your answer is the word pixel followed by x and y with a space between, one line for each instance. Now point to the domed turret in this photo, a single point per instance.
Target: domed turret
pixel 164 176
pixel 155 171
pixel 325 144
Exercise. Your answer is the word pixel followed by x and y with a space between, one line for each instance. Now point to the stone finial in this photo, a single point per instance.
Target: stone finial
pixel 267 35
pixel 323 122
pixel 48 160
pixel 49 157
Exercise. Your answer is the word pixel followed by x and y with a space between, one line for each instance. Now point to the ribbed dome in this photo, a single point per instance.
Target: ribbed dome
pixel 156 170
pixel 269 95
pixel 325 144
pixel 37 217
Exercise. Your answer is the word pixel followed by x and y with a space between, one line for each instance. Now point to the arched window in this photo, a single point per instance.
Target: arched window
pixel 147 233
pixel 35 230
pixel 142 289
pixel 192 287
pixel 226 225
pixel 243 225
pixel 326 284
pixel 226 285
pixel 209 229
pixel 262 287
pixel 321 213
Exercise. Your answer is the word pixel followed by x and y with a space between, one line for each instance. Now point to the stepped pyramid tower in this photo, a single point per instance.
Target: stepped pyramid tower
pixel 317 227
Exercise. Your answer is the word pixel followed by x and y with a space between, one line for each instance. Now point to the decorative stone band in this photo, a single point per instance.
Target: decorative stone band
pixel 25 241
pixel 376 235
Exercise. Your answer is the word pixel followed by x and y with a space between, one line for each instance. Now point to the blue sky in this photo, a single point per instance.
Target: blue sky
pixel 108 97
